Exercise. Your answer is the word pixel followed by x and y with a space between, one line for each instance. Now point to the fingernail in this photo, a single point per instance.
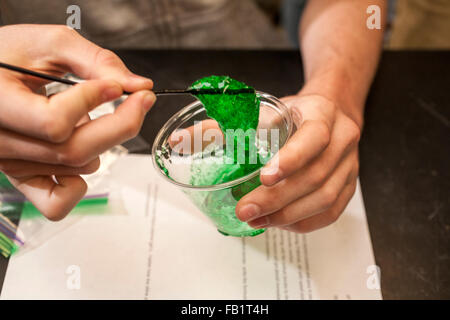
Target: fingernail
pixel 248 212
pixel 270 175
pixel 112 92
pixel 259 223
pixel 141 80
pixel 148 100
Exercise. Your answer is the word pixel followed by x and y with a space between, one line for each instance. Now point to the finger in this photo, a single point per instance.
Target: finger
pixel 197 137
pixel 53 200
pixel 97 136
pixel 17 146
pixel 313 203
pixel 107 65
pixel 69 107
pixel 52 119
pixel 90 61
pixel 85 119
pixel 87 141
pixel 315 120
pixel 21 169
pixel 325 218
pixel 305 180
pixel 61 49
pixel 305 145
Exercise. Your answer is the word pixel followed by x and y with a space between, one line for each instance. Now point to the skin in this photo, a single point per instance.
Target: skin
pixel 47 142
pixel 313 177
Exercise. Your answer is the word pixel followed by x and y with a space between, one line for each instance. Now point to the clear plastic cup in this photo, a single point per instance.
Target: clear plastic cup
pixel 182 168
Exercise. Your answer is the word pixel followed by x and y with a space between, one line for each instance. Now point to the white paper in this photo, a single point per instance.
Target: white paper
pixel 163 247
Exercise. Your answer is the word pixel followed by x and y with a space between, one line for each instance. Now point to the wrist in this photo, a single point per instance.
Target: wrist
pixel 337 87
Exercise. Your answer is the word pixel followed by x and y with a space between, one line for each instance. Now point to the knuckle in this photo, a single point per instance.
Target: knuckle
pixel 299 227
pixel 275 192
pixel 288 161
pixel 286 217
pixel 334 216
pixel 131 128
pixel 323 132
pixel 72 157
pixel 107 57
pixel 318 177
pixel 92 167
pixel 354 132
pixel 61 33
pixel 280 218
pixel 332 107
pixel 354 170
pixel 329 196
pixel 85 97
pixel 55 128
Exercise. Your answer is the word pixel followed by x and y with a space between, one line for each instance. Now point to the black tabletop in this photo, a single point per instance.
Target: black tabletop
pixel 404 149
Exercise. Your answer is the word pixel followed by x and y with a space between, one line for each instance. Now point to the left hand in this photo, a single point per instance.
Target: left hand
pixel 314 174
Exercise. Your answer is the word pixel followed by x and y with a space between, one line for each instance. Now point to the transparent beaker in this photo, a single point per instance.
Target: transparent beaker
pixel 185 167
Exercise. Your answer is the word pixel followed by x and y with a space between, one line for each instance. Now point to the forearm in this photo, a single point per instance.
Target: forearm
pixel 339 52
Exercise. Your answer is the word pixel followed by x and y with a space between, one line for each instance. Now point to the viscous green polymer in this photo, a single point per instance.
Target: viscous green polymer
pixel 232 112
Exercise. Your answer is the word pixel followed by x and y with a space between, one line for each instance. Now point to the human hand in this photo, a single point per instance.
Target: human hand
pixel 47 142
pixel 309 182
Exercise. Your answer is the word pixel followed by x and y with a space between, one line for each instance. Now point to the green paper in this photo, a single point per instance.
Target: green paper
pixel 85 206
pixel 4 182
pixel 7 246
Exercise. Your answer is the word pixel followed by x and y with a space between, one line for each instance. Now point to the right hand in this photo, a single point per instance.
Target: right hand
pixel 41 137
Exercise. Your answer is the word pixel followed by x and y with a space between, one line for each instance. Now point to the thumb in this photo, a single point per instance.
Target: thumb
pixel 312 107
pixel 54 118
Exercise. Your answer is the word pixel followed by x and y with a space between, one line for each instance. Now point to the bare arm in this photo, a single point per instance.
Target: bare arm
pixel 339 52
pixel 313 177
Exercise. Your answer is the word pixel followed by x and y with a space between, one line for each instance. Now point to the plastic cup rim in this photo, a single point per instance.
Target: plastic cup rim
pixel 224 185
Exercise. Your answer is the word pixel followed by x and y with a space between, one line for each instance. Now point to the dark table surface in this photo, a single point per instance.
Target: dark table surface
pixel 404 149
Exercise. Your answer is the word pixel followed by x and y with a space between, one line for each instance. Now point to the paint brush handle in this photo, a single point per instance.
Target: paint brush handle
pixel 156 92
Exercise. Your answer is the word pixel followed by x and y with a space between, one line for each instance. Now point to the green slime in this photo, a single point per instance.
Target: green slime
pixel 232 112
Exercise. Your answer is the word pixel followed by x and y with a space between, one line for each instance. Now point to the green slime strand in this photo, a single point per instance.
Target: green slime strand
pixel 232 112
pixel 235 111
